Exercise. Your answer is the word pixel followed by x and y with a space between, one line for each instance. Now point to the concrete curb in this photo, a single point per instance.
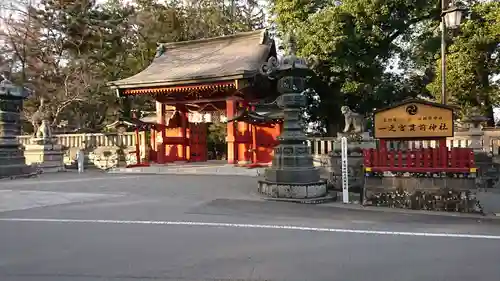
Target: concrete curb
pixel 354 206
pixel 25 176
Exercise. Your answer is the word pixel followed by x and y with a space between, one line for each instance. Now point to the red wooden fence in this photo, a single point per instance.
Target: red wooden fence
pixel 426 160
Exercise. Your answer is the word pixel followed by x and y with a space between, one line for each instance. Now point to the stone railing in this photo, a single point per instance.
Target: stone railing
pixel 325 145
pixel 486 140
pixel 101 149
pixel 90 140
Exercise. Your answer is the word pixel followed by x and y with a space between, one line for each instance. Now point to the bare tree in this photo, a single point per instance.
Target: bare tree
pixel 36 54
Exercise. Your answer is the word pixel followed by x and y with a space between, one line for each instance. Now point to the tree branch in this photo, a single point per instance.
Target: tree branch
pixel 434 14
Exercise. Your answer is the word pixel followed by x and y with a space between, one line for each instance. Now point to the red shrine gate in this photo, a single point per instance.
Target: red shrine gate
pixel 181 140
pixel 187 141
pixel 208 75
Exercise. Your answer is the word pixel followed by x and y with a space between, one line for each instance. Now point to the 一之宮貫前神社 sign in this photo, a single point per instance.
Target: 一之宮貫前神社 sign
pixel 414 120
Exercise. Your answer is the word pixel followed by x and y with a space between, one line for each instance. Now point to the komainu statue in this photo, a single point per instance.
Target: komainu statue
pixel 43 131
pixel 353 119
pixel 41 123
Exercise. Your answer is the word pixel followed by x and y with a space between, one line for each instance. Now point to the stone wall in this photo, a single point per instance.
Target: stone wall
pixel 422 193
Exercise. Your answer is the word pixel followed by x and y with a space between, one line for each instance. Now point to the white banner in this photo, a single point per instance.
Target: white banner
pixel 195 117
pixel 207 117
pixel 345 171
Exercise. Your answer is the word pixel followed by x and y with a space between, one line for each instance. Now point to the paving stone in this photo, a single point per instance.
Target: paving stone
pixel 11 200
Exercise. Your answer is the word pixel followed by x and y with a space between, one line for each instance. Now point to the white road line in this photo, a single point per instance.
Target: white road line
pixel 259 226
pixel 27 182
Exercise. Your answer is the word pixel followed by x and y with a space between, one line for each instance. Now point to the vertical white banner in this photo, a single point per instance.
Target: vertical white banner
pixel 345 171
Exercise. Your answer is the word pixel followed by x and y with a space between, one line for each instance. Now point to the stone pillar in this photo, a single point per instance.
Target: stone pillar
pixel 12 161
pixel 476 139
pixel 47 156
pixel 292 174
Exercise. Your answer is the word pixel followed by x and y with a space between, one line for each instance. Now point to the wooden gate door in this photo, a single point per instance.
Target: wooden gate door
pixel 173 144
pixel 198 142
pixel 265 138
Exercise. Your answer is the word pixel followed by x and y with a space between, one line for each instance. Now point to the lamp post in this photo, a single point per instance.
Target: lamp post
pixel 450 18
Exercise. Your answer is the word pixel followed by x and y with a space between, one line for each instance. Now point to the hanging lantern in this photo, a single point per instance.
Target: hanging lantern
pixel 453 17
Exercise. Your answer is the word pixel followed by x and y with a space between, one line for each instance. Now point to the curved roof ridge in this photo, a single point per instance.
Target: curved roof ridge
pixel 261 32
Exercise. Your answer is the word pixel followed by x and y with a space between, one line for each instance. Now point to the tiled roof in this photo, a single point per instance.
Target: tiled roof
pixel 214 59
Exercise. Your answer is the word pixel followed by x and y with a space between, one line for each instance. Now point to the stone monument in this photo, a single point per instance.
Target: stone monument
pixel 12 161
pixel 292 174
pixel 43 152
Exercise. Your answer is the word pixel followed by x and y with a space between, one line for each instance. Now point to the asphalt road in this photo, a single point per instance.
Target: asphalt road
pixel 125 227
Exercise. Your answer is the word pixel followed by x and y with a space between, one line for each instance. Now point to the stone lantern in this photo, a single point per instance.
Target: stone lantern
pixel 475 132
pixel 292 174
pixel 12 161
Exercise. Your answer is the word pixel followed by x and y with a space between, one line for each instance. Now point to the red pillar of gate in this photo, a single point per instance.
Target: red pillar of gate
pixel 244 140
pixel 160 145
pixel 443 152
pixel 153 147
pixel 254 144
pixel 254 141
pixel 184 132
pixel 230 138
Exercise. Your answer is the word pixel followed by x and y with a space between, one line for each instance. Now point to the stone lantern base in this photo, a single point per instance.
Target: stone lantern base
pixel 12 162
pixel 293 190
pixel 10 169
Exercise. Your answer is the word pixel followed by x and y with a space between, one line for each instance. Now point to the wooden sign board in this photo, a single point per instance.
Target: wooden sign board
pixel 414 119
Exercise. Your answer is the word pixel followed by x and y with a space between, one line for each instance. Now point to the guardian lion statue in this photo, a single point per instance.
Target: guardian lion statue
pixel 353 119
pixel 43 131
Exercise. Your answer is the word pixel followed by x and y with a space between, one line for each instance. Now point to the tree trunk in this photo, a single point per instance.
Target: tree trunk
pixel 484 78
pixel 490 114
